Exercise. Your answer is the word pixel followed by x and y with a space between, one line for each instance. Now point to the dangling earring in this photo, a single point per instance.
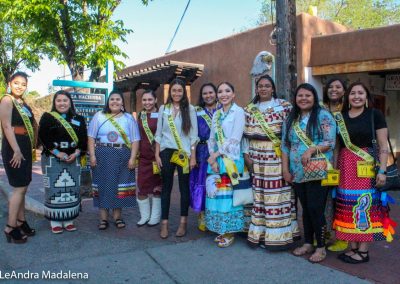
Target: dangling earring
pixel 8 90
pixel 366 103
pixel 349 106
pixel 122 108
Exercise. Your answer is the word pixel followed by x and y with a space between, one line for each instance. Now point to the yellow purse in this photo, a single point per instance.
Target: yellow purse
pixel 156 168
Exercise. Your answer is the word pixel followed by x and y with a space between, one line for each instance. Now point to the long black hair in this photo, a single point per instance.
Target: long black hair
pixel 107 107
pixel 312 125
pixel 71 112
pixel 325 97
pixel 201 100
pixel 346 103
pixel 183 105
pixel 256 98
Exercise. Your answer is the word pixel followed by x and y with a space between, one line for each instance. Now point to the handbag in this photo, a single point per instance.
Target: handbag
pixel 392 172
pixel 243 191
pixel 316 169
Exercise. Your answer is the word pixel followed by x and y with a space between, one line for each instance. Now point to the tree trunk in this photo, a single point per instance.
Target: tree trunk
pixel 286 74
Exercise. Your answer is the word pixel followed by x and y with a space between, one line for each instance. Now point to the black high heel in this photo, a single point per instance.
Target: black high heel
pixel 15 236
pixel 26 229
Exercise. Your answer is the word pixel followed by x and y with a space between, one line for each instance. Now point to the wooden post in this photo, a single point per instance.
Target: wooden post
pixel 286 70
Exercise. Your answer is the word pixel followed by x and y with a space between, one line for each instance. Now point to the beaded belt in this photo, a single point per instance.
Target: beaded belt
pixel 202 142
pixel 114 145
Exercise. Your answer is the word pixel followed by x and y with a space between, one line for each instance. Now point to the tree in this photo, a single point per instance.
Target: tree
pixel 78 33
pixel 18 45
pixel 33 94
pixel 357 14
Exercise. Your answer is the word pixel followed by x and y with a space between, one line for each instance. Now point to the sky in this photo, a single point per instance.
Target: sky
pixel 154 25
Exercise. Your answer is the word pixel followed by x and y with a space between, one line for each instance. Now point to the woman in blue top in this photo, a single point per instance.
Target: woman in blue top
pixel 320 127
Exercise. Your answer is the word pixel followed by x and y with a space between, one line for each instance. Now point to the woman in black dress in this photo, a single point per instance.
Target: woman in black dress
pixel 17 143
pixel 63 135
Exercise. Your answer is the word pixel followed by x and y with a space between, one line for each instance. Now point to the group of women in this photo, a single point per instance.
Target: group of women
pixel 214 147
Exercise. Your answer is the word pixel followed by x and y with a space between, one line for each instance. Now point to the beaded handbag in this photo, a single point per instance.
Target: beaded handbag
pixel 316 169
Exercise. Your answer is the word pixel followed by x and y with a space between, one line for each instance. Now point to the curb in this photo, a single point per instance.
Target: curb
pixel 30 203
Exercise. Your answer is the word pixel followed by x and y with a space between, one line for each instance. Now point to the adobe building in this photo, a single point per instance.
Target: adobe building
pixel 324 49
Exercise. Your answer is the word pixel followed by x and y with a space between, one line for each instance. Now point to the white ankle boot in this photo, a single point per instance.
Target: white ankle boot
pixel 155 212
pixel 144 209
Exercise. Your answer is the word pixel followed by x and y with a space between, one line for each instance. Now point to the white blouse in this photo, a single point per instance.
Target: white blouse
pixel 233 126
pixel 164 136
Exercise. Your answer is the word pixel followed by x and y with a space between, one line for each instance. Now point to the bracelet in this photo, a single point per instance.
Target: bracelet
pixel 77 154
pixel 382 172
pixel 56 152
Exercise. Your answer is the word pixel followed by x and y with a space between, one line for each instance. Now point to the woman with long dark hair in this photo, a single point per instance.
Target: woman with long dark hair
pixel 176 139
pixel 205 111
pixel 18 140
pixel 273 219
pixel 149 178
pixel 360 216
pixel 226 164
pixel 63 135
pixel 333 96
pixel 309 131
pixel 113 142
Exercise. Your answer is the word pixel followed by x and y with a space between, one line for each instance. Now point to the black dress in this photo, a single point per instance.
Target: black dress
pixel 22 176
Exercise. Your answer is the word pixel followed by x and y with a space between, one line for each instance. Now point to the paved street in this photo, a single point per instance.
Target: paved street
pixel 138 255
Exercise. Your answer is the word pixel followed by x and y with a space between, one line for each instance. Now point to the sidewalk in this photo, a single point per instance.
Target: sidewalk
pixel 139 255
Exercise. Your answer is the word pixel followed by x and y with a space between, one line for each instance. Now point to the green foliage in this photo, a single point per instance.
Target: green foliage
pixel 19 45
pixel 79 33
pixel 33 94
pixel 357 14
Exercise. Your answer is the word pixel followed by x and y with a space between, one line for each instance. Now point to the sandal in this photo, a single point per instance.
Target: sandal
pixel 103 225
pixel 119 223
pixel 317 256
pixel 343 255
pixel 218 238
pixel 304 249
pixel 15 236
pixel 181 230
pixel 26 229
pixel 226 241
pixel 352 260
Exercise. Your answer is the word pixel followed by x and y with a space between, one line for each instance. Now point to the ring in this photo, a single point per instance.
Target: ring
pixel 65 157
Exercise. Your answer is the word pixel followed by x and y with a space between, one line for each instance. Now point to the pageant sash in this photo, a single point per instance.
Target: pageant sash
pixel 333 175
pixel 71 133
pixel 178 157
pixel 150 137
pixel 204 115
pixel 146 127
pixel 230 165
pixel 364 168
pixel 267 130
pixel 28 125
pixel 120 130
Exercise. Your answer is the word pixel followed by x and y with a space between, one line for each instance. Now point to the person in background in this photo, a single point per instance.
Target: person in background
pixel 205 111
pixel 113 146
pixel 360 216
pixel 308 121
pixel 63 135
pixel 333 96
pixel 226 163
pixel 273 222
pixel 149 178
pixel 176 140
pixel 18 128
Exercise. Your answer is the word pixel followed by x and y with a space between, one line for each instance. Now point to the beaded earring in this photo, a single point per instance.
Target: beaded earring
pixel 8 90
pixel 366 103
